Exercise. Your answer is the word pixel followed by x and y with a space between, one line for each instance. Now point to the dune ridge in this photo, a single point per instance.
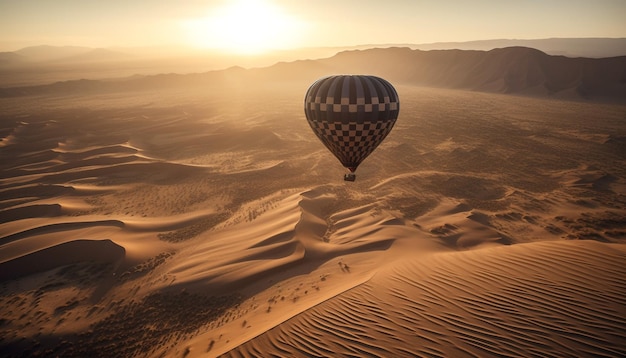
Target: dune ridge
pixel 293 234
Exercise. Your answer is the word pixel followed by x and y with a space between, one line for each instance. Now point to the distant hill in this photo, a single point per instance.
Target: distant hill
pixel 512 70
pixel 37 65
pixel 518 70
pixel 44 54
pixel 9 58
pixel 96 55
pixel 48 53
pixel 570 47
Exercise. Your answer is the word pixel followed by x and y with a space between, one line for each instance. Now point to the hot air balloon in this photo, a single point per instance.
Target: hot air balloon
pixel 351 115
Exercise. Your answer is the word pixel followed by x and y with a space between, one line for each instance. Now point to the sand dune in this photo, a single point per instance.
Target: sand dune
pixel 60 255
pixel 525 300
pixel 207 223
pixel 290 235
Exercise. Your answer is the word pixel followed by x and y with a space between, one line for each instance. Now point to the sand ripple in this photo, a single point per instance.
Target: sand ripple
pixel 525 300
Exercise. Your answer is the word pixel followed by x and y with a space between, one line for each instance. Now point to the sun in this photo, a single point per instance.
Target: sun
pixel 245 27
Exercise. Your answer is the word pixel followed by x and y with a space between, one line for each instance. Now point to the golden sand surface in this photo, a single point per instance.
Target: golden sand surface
pixel 193 223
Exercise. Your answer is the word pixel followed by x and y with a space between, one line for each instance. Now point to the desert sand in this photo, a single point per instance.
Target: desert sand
pixel 211 221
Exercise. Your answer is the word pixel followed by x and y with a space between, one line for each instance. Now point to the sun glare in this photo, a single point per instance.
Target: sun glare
pixel 245 27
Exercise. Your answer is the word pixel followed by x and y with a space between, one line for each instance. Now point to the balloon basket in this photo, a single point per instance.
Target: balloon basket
pixel 349 177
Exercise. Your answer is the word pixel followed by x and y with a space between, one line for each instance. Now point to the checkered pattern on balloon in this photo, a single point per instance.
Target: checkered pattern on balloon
pixel 351 114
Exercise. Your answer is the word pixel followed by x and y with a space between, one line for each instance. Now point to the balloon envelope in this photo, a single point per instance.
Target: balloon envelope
pixel 351 114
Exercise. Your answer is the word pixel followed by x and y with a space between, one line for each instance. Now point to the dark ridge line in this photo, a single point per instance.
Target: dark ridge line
pixel 59 227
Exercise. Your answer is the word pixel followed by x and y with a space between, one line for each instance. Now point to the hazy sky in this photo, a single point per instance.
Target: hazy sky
pixel 256 25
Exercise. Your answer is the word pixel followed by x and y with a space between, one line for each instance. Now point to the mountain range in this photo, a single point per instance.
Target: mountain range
pixel 511 70
pixel 570 47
